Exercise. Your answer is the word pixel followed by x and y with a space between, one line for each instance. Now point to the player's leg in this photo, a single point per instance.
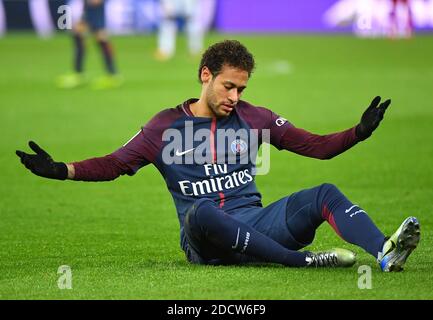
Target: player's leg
pixel 79 46
pixel 2 19
pixel 296 218
pixel 289 222
pixel 195 36
pixel 393 19
pixel 213 234
pixel 348 220
pixel 76 78
pixel 406 23
pixel 353 224
pixel 167 30
pixel 112 79
pixel 106 50
pixel 194 28
pixel 95 15
pixel 166 39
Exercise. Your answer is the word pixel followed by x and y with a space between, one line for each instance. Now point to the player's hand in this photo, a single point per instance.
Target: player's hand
pixel 371 118
pixel 42 164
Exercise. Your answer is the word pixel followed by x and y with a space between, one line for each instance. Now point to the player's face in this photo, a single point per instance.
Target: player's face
pixel 225 90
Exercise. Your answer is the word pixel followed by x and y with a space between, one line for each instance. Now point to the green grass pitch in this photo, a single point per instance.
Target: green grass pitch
pixel 120 238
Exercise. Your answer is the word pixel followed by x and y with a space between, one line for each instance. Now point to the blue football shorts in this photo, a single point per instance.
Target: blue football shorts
pixel 94 16
pixel 291 221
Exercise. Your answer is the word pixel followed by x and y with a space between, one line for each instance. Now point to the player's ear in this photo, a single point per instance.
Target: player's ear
pixel 206 75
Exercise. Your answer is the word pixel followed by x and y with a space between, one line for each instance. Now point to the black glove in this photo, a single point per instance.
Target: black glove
pixel 42 164
pixel 371 118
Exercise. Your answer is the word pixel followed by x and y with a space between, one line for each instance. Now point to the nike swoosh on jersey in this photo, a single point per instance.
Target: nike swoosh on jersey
pixel 178 153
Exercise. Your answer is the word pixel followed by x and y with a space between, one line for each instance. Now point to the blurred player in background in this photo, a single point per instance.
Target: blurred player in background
pixel 41 18
pixel 38 11
pixel 401 19
pixel 189 12
pixel 2 19
pixel 377 18
pixel 93 18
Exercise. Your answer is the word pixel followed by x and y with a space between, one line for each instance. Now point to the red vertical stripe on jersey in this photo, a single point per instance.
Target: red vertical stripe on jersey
pixel 221 199
pixel 328 216
pixel 212 139
pixel 212 147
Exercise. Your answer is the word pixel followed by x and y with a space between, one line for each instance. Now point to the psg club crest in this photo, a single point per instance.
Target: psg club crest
pixel 239 146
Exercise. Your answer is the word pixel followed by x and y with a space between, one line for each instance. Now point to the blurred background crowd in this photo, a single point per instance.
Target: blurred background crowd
pixel 367 18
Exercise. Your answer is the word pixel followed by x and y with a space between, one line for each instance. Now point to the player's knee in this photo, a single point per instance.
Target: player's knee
pixel 325 193
pixel 101 35
pixel 79 28
pixel 328 187
pixel 198 210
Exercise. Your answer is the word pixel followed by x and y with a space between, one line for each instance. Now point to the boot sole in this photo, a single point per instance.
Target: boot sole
pixel 407 241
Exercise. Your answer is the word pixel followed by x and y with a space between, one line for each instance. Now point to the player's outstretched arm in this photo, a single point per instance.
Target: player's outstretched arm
pixel 126 160
pixel 328 146
pixel 43 165
pixel 371 118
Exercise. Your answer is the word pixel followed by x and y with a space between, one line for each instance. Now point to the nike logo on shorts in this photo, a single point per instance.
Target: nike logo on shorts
pixel 237 239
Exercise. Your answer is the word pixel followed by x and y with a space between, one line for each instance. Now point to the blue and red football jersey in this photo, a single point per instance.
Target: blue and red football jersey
pixel 198 159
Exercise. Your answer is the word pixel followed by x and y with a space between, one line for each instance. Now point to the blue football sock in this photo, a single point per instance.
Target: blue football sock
pixel 78 53
pixel 107 53
pixel 350 221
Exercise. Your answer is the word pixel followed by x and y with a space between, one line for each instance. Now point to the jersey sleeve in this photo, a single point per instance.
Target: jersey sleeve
pixel 261 118
pixel 277 126
pixel 145 146
pixel 136 153
pixel 99 169
pixel 312 145
pixel 126 160
pixel 142 149
pixel 284 135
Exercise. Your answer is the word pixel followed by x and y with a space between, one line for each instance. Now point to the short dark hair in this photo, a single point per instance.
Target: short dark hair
pixel 227 52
